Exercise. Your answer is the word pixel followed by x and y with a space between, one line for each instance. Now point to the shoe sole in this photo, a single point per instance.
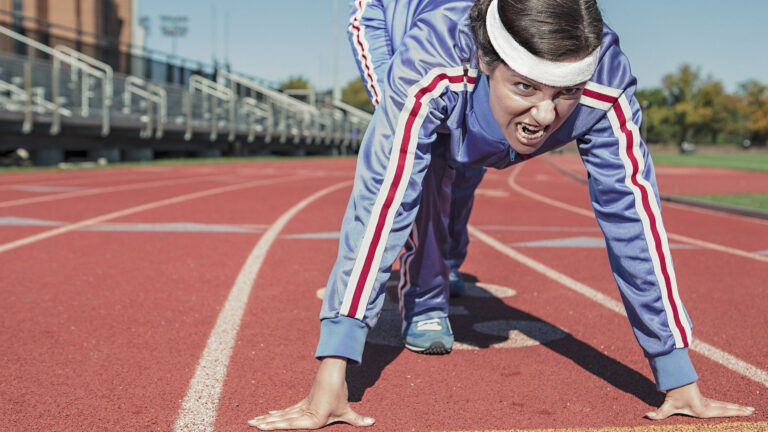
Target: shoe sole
pixel 437 348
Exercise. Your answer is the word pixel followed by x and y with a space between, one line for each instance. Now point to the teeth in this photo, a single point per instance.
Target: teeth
pixel 529 132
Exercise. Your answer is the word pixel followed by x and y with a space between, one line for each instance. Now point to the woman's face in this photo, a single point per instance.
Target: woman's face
pixel 527 111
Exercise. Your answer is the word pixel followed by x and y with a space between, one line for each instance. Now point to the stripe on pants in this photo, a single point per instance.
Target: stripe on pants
pixel 395 181
pixel 405 280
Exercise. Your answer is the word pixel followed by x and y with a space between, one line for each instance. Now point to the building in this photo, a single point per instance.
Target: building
pixel 84 21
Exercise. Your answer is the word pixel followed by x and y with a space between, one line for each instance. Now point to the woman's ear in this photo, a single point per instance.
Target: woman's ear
pixel 483 66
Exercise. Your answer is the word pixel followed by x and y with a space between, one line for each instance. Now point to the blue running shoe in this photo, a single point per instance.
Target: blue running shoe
pixel 431 336
pixel 456 284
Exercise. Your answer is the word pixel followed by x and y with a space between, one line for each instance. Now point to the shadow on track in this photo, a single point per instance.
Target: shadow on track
pixel 482 320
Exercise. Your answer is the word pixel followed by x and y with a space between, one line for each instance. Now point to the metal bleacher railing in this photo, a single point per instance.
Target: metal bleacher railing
pixel 54 90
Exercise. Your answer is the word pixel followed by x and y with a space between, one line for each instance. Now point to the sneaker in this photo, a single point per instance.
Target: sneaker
pixel 431 336
pixel 456 284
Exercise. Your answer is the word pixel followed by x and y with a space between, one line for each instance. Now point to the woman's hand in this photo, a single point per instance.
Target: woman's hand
pixel 327 403
pixel 688 400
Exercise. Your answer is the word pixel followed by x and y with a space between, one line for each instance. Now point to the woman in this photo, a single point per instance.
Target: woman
pixel 495 83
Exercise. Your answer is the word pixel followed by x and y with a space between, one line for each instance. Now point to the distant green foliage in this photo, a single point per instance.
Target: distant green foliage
pixel 354 94
pixel 690 107
pixel 295 82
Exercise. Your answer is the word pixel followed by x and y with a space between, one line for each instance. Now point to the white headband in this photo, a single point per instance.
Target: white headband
pixel 556 74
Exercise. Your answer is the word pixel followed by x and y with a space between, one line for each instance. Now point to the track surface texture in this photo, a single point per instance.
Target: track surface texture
pixel 186 298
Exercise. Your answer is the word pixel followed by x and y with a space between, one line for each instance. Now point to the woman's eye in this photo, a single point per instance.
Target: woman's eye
pixel 523 86
pixel 570 91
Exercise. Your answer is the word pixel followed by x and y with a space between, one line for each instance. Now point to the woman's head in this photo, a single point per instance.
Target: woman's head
pixel 538 55
pixel 555 30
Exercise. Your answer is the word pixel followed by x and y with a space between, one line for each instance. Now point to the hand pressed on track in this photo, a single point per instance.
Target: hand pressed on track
pixel 688 400
pixel 327 403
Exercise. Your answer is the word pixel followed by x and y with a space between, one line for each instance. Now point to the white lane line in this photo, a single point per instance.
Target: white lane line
pixel 198 410
pixel 729 361
pixel 181 198
pixel 67 177
pixel 583 212
pixel 79 193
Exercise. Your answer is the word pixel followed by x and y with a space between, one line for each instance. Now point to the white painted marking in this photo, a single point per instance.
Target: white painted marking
pixel 729 361
pixel 493 193
pixel 678 237
pixel 31 188
pixel 181 198
pixel 334 235
pixel 537 228
pixel 198 410
pixel 79 193
pixel 520 334
pixel 581 242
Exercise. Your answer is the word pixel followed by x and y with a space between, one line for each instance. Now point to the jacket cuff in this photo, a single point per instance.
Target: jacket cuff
pixel 342 337
pixel 673 370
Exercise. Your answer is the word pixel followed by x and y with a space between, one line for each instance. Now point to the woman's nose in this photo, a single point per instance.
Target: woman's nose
pixel 544 112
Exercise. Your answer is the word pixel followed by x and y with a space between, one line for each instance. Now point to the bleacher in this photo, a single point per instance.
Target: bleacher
pixel 62 104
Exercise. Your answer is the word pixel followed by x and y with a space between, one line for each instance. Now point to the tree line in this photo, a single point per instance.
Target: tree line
pixel 687 107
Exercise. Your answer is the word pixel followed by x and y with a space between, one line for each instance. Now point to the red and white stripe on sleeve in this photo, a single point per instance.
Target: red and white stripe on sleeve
pixel 619 113
pixel 363 52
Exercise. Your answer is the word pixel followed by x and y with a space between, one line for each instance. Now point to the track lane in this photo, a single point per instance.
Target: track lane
pixel 136 209
pixel 536 387
pixel 199 408
pixel 560 199
pixel 140 313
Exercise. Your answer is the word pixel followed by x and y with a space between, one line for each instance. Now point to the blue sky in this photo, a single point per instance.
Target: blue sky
pixel 276 39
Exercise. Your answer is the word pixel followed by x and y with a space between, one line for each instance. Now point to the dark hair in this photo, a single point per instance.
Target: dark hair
pixel 554 30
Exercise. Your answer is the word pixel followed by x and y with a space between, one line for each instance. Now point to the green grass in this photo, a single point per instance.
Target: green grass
pixel 161 162
pixel 747 160
pixel 753 201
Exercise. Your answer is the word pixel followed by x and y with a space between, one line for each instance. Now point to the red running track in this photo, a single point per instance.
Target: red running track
pixel 103 327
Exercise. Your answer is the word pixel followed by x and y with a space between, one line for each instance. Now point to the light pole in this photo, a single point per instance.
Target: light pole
pixel 174 27
pixel 336 92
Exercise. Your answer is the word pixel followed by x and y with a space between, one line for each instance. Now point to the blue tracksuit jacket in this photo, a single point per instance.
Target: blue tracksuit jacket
pixel 432 105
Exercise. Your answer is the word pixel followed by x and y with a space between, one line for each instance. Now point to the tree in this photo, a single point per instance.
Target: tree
pixel 295 82
pixel 754 97
pixel 718 111
pixel 656 126
pixel 681 89
pixel 354 94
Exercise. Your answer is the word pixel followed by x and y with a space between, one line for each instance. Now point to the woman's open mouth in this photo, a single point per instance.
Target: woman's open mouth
pixel 530 135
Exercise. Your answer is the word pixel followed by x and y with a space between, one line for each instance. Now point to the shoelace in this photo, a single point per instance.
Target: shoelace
pixel 430 324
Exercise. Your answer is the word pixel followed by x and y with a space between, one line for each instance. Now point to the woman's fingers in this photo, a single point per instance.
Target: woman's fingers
pixel 352 418
pixel 302 421
pixel 707 408
pixel 713 408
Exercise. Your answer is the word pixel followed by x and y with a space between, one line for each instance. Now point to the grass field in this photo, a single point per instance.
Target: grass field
pixel 733 158
pixel 744 160
pixel 753 201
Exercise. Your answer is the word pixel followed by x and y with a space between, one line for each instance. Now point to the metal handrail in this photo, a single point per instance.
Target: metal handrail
pixel 28 98
pixel 107 82
pixel 216 91
pixel 357 112
pixel 107 86
pixel 151 93
pixel 56 109
pixel 254 109
pixel 266 91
